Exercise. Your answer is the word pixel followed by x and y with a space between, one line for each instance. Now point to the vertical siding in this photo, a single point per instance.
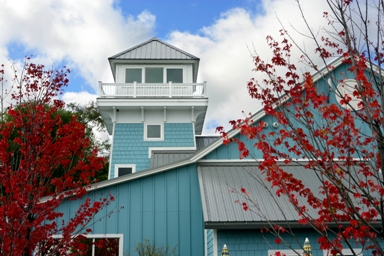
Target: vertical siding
pixel 129 147
pixel 255 243
pixel 164 208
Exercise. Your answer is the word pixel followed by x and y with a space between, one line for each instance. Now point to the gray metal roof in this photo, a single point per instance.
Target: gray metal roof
pixel 218 186
pixel 161 158
pixel 154 49
pixel 203 141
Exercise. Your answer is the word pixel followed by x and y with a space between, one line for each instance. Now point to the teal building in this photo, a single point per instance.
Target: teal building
pixel 172 185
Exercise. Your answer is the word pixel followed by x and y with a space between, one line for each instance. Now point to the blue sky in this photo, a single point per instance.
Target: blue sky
pixel 83 34
pixel 186 15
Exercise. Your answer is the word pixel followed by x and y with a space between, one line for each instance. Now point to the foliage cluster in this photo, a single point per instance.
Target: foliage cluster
pixel 44 160
pixel 340 144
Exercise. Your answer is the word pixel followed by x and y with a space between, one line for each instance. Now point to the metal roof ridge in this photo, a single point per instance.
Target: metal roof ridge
pixel 149 41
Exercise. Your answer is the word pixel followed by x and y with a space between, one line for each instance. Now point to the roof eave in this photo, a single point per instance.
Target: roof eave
pixel 223 225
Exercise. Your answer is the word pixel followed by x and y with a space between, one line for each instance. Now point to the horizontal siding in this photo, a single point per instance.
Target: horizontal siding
pixel 129 147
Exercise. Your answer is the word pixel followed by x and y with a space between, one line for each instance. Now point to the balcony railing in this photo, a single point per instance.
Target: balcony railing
pixel 139 90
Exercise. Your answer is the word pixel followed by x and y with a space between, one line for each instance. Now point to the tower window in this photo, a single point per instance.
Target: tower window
pixel 153 132
pixel 174 75
pixel 133 75
pixel 154 75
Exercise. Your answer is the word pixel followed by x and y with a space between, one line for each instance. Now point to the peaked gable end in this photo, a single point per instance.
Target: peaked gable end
pixel 154 49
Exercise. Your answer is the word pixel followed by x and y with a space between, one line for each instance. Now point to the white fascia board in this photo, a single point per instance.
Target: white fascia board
pixel 155 102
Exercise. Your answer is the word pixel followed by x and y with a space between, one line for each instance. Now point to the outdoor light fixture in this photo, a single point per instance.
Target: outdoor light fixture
pixel 307 248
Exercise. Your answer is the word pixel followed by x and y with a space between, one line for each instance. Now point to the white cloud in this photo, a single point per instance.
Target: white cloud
pixel 83 33
pixel 82 98
pixel 225 49
pixel 86 33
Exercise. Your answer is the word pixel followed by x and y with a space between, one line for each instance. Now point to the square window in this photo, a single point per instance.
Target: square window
pixel 174 75
pixel 153 131
pixel 154 75
pixel 133 75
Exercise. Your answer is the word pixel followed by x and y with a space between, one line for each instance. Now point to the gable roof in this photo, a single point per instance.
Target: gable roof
pixel 154 51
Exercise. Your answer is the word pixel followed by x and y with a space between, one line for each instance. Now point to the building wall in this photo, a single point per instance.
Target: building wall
pixel 164 208
pixel 255 243
pixel 210 242
pixel 231 151
pixel 129 147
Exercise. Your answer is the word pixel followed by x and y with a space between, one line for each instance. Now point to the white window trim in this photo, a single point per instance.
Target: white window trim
pixel 154 139
pixel 120 236
pixel 357 251
pixel 117 166
pixel 285 252
pixel 155 66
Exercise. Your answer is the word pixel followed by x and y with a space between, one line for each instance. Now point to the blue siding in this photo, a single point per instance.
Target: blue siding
pixel 129 147
pixel 164 208
pixel 255 243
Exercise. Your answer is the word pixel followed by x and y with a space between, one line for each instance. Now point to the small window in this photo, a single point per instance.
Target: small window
pixel 154 75
pixel 174 75
pixel 124 169
pixel 153 132
pixel 133 75
pixel 95 245
pixel 110 246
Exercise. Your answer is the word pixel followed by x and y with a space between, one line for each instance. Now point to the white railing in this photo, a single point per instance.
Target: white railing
pixel 139 90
